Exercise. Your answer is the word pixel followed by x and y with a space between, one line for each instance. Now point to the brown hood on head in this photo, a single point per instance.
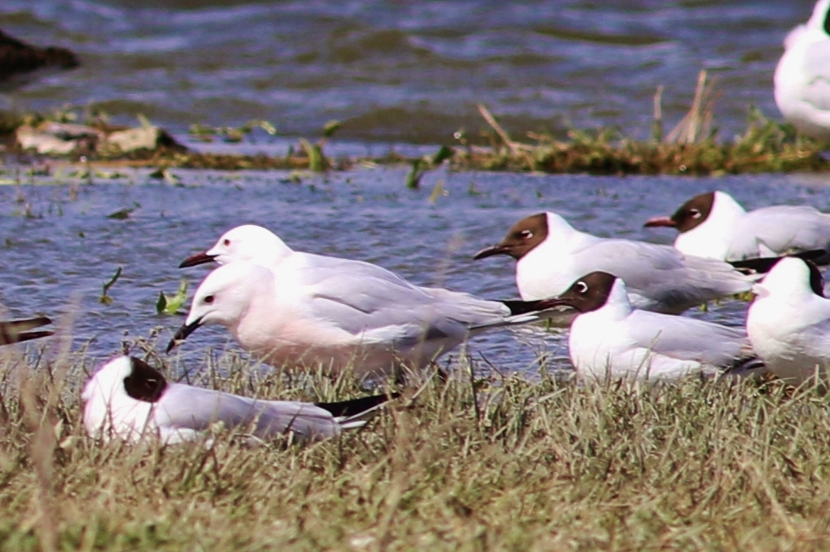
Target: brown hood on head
pixel 816 278
pixel 587 294
pixel 144 383
pixel 689 215
pixel 520 239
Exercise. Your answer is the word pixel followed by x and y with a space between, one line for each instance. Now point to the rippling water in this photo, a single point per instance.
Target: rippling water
pixel 57 257
pixel 405 71
pixel 400 72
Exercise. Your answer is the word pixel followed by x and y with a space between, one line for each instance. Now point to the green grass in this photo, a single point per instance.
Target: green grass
pixel 490 464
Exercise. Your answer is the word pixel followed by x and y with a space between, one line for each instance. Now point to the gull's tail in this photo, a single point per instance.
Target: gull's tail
pixel 15 331
pixel 354 413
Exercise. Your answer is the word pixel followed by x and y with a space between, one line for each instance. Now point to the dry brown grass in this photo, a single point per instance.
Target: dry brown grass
pixel 472 464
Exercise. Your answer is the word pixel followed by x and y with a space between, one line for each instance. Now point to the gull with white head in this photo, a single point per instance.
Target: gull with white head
pixel 802 77
pixel 313 309
pixel 789 321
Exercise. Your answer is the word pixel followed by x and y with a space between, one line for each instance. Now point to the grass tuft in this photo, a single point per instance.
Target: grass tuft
pixel 503 463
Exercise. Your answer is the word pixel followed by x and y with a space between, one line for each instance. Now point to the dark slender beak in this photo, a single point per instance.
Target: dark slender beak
pixel 197 259
pixel 498 249
pixel 546 304
pixel 660 221
pixel 182 333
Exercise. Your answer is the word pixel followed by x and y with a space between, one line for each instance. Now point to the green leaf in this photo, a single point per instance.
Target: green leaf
pixel 330 128
pixel 105 298
pixel 413 179
pixel 121 214
pixel 442 155
pixel 172 304
pixel 315 155
pixel 161 304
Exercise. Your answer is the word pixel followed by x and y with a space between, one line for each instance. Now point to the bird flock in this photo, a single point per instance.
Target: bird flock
pixel 621 302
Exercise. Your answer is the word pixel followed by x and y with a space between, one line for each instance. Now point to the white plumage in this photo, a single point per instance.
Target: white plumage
pixel 129 400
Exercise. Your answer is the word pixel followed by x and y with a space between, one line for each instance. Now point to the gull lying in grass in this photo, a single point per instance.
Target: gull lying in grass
pixel 551 254
pixel 610 339
pixel 15 331
pixel 715 226
pixel 789 321
pixel 802 77
pixel 128 399
pixel 311 309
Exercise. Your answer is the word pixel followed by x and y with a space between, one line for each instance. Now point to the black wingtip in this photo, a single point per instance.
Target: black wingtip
pixel 354 407
pixel 15 331
pixel 762 265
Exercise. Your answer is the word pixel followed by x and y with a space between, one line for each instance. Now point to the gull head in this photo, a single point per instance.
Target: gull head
pixel 243 243
pixel 591 292
pixel 224 296
pixel 129 376
pixel 791 276
pixel 521 238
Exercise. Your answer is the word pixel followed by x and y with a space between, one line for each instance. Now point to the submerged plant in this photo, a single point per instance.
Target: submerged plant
pixel 105 297
pixel 172 304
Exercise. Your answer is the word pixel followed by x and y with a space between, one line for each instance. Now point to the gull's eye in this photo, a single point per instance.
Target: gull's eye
pixel 581 287
pixel 695 214
pixel 226 242
pixel 526 234
pixel 209 299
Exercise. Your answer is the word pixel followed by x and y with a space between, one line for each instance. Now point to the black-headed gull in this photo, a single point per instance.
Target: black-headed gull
pixel 789 321
pixel 802 77
pixel 128 399
pixel 610 339
pixel 715 226
pixel 312 309
pixel 551 254
pixel 15 331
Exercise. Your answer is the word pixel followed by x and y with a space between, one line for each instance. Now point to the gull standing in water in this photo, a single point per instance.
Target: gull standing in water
pixel 551 254
pixel 715 226
pixel 289 307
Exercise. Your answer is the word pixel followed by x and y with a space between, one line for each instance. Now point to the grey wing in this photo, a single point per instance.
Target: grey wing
pixel 193 408
pixel 363 298
pixel 687 338
pixel 782 229
pixel 661 275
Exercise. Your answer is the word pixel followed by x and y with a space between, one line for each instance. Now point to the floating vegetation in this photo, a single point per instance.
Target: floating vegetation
pixel 691 148
pixel 206 133
pixel 421 165
pixel 105 298
pixel 172 304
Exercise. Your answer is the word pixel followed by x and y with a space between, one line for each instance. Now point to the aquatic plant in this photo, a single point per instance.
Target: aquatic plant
pixel 171 305
pixel 105 298
pixel 692 147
